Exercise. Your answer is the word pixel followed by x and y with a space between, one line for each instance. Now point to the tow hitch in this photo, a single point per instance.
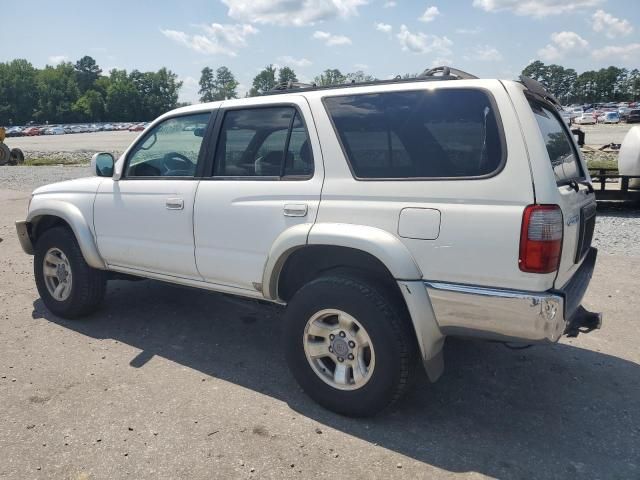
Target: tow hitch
pixel 583 321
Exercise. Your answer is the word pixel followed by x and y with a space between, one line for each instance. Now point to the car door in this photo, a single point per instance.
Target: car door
pixel 266 177
pixel 144 220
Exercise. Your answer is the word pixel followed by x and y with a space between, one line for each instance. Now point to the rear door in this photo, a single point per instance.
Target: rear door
pixel 266 177
pixel 576 199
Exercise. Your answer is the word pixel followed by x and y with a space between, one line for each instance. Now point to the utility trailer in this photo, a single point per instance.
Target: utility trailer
pixel 608 190
pixel 11 156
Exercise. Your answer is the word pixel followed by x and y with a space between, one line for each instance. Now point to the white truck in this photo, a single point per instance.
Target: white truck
pixel 385 216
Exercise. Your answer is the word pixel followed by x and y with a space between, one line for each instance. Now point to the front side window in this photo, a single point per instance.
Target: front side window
pixel 558 143
pixel 170 149
pixel 445 133
pixel 263 142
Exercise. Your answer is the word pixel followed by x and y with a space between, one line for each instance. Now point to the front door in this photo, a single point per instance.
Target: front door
pixel 144 221
pixel 267 177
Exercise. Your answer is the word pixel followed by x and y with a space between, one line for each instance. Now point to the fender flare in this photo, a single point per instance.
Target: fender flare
pixel 377 242
pixel 74 218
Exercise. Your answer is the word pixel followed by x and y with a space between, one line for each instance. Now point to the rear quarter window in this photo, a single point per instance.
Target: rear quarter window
pixel 427 134
pixel 562 153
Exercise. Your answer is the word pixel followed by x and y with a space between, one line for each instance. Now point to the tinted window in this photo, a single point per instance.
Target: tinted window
pixel 253 143
pixel 559 146
pixel 170 149
pixel 423 134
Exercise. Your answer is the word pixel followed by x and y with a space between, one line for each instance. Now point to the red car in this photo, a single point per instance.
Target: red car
pixel 31 131
pixel 136 128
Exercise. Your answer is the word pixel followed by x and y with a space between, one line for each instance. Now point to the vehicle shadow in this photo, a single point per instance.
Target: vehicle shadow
pixel 546 412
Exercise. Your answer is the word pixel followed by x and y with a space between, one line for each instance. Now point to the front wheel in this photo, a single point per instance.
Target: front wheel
pixel 349 344
pixel 68 286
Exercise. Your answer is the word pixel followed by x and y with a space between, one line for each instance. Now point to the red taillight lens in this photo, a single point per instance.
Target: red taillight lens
pixel 541 239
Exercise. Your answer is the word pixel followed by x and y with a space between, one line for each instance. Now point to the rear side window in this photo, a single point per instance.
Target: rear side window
pixel 419 134
pixel 263 142
pixel 559 145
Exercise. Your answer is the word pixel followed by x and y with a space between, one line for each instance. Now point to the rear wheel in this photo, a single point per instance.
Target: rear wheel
pixel 5 154
pixel 349 345
pixel 68 286
pixel 17 156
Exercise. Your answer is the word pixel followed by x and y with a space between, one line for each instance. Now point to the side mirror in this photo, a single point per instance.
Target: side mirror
pixel 102 163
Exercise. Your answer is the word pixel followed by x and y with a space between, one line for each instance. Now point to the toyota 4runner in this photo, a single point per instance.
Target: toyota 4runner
pixel 385 216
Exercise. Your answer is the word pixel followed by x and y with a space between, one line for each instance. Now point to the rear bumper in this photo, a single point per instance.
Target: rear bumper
pixel 510 315
pixel 23 235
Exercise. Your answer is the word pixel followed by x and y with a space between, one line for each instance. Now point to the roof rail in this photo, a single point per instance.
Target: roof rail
pixel 447 72
pixel 429 75
pixel 291 85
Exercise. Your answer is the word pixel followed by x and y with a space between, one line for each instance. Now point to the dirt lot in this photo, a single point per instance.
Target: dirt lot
pixel 170 382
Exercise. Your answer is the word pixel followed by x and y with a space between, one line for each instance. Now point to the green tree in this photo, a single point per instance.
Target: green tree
pixel 18 92
pixel 207 85
pixel 264 81
pixel 90 107
pixel 122 97
pixel 57 92
pixel 359 77
pixel 330 77
pixel 225 85
pixel 286 75
pixel 87 72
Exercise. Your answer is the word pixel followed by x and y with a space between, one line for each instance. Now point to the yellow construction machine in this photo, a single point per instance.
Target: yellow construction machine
pixel 13 156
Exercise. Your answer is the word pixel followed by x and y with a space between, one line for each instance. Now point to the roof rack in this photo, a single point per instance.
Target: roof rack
pixel 433 74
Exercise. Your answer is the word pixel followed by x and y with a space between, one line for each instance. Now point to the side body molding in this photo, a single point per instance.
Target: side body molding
pixel 78 223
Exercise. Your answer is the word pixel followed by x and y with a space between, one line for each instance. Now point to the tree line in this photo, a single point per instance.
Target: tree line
pixel 611 84
pixel 222 85
pixel 79 92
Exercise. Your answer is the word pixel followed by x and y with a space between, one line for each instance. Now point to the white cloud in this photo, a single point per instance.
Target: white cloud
pixel 296 62
pixel 383 27
pixel 430 14
pixel 563 43
pixel 486 53
pixel 612 26
pixel 216 39
pixel 468 31
pixel 56 59
pixel 534 8
pixel 630 52
pixel 189 90
pixel 421 43
pixel 390 4
pixel 331 40
pixel 291 12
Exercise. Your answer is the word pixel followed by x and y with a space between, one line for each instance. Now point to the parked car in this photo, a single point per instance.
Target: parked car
pixel 354 224
pixel 31 131
pixel 14 132
pixel 138 127
pixel 633 116
pixel 56 131
pixel 585 119
pixel 610 117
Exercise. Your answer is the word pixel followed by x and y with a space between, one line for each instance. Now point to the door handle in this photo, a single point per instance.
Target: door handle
pixel 175 204
pixel 295 210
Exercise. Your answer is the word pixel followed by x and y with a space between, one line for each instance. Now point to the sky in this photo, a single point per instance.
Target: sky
pixel 384 38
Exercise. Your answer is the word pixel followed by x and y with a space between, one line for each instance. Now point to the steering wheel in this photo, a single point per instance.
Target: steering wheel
pixel 177 165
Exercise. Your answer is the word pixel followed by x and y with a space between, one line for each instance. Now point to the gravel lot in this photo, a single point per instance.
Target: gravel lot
pixel 171 382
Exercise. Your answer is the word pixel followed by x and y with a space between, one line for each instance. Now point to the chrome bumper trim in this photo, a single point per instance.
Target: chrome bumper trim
pixel 497 314
pixel 22 228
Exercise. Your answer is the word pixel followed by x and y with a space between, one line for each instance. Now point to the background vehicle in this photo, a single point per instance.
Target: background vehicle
pixel 585 119
pixel 610 117
pixel 633 116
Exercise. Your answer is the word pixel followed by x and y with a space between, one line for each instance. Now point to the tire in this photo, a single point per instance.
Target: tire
pixel 5 154
pixel 392 350
pixel 85 286
pixel 17 157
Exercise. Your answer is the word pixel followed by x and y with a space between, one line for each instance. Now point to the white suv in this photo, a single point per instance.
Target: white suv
pixel 384 216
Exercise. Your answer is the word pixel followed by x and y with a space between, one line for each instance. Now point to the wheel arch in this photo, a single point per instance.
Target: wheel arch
pixel 62 213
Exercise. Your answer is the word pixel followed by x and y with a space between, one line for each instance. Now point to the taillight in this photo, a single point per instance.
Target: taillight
pixel 541 239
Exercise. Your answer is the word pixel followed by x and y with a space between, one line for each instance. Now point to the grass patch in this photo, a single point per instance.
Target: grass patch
pixel 45 161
